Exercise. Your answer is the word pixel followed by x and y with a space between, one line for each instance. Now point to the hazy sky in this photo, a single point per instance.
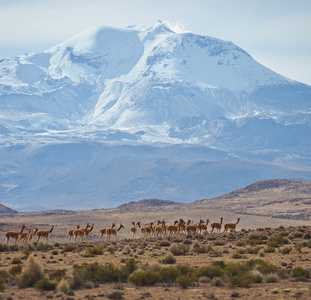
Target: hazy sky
pixel 276 33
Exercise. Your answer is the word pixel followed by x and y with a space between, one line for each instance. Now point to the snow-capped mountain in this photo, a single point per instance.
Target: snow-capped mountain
pixel 113 115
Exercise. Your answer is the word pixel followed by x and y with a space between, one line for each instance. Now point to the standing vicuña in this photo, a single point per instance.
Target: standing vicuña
pixel 133 230
pixel 44 233
pixel 13 235
pixel 112 231
pixel 231 226
pixel 216 225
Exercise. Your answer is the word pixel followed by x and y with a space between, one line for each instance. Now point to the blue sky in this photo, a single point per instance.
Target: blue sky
pixel 276 33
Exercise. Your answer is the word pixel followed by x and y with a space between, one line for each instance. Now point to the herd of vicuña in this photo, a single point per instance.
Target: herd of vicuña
pixel 152 230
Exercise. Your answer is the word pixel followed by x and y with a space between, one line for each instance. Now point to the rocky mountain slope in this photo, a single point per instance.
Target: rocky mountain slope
pixel 114 115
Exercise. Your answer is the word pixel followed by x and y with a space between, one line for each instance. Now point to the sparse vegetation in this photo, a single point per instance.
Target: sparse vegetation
pixel 264 255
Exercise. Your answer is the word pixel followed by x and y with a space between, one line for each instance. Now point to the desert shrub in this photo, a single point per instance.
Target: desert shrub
pixel 187 242
pixel 298 234
pixel 28 249
pixel 30 274
pixel 165 243
pixel 93 251
pixel 95 272
pixel 184 281
pixel 217 281
pixel 269 249
pixel 169 274
pixel 15 270
pixel 253 242
pixel 69 248
pixel 127 250
pixel 307 236
pixel 241 251
pixel 257 276
pixel 63 286
pixel 145 278
pixel 45 284
pixel 169 259
pixel 184 269
pixel 277 241
pixel 254 236
pixel 286 250
pixel 208 248
pixel 209 271
pixel 16 261
pixel 55 252
pixel 57 275
pixel 42 246
pixel 4 247
pixel 130 265
pixel 111 249
pixel 3 277
pixel 253 250
pixel 272 278
pixel 204 279
pixel 196 247
pixel 176 239
pixel 262 266
pixel 155 267
pixel 236 255
pixel 300 272
pixel 178 249
pixel 14 247
pixel 240 243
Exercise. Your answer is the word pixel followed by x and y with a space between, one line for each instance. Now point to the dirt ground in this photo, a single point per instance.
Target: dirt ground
pixel 148 252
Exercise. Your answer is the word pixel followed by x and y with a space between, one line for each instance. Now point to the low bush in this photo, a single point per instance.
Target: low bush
pixel 4 247
pixel 30 274
pixel 42 246
pixel 130 265
pixel 286 250
pixel 96 272
pixel 145 278
pixel 272 278
pixel 3 276
pixel 15 270
pixel 165 243
pixel 184 281
pixel 16 261
pixel 69 248
pixel 169 274
pixel 178 249
pixel 169 259
pixel 63 286
pixel 300 272
pixel 57 275
pixel 45 284
pixel 93 251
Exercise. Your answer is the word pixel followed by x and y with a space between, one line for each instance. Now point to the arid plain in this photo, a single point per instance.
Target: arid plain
pixel 265 258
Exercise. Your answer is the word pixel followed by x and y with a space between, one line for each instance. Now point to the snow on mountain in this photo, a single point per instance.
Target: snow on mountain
pixel 114 115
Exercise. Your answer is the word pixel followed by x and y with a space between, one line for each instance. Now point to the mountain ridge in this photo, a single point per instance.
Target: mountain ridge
pixel 280 198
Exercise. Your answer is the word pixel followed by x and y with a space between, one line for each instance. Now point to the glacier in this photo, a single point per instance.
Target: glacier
pixel 120 114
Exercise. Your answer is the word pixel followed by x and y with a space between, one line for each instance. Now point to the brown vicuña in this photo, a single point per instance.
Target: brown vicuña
pixel 44 234
pixel 80 232
pixel 133 230
pixel 112 231
pixel 88 231
pixel 70 233
pixel 216 225
pixel 24 237
pixel 231 226
pixel 13 235
pixel 104 231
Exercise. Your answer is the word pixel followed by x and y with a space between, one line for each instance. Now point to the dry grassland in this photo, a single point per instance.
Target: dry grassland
pixel 201 267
